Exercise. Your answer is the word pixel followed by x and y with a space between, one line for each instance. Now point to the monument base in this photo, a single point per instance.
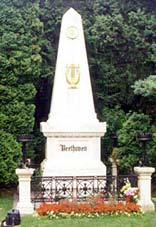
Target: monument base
pixel 74 152
pixel 73 168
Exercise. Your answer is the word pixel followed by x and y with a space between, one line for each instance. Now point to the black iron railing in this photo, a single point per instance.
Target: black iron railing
pixel 52 189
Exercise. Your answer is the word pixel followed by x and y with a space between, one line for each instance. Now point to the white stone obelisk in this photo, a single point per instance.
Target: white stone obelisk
pixel 73 131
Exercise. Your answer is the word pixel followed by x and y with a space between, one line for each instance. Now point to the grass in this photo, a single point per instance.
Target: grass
pixel 146 220
pixel 5 204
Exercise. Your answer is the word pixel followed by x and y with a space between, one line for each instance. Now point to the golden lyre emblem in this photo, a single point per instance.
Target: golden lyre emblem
pixel 72 75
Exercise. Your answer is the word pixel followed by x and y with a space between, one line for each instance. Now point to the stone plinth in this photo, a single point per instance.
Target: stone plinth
pixel 24 204
pixel 144 185
pixel 73 154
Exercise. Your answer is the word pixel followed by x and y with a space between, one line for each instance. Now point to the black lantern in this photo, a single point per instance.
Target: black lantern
pixel 143 139
pixel 114 137
pixel 24 139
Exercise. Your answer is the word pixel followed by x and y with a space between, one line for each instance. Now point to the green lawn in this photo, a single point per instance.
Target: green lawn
pixel 146 220
pixel 5 205
pixel 149 219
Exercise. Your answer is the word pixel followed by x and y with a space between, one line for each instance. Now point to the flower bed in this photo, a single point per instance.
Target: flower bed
pixel 92 208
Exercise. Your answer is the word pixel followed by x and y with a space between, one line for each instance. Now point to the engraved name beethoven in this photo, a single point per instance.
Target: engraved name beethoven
pixel 72 148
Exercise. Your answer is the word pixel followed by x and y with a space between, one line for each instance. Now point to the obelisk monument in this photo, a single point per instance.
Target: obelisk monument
pixel 73 132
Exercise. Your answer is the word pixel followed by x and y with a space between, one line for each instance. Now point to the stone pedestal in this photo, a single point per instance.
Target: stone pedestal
pixel 144 185
pixel 73 154
pixel 24 204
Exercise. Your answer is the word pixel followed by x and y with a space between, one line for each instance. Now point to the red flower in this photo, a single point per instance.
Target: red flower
pixel 93 205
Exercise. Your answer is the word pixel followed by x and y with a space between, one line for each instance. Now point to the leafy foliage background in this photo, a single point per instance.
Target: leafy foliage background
pixel 121 46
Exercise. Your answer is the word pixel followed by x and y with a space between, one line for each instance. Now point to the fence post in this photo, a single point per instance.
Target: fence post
pixel 24 204
pixel 144 185
pixel 114 173
pixel 74 188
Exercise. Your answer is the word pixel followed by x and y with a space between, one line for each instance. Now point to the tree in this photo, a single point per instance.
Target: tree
pixel 9 157
pixel 145 91
pixel 20 66
pixel 123 52
pixel 129 150
pixel 114 118
pixel 146 87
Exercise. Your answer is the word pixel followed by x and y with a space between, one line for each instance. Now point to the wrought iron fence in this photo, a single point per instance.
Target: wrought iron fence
pixel 52 189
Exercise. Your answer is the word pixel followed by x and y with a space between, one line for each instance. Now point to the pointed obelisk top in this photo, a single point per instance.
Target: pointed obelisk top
pixel 72 99
pixel 71 13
